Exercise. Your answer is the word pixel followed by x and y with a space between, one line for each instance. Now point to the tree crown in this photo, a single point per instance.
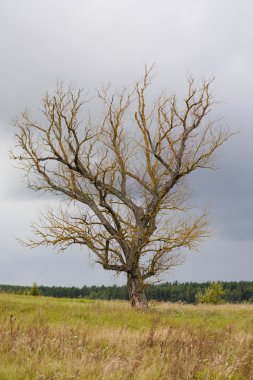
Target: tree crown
pixel 123 179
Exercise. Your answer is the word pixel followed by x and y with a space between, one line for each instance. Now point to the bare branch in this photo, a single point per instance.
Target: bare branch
pixel 121 179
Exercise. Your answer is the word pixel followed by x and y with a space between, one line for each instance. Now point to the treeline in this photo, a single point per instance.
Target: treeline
pixel 235 292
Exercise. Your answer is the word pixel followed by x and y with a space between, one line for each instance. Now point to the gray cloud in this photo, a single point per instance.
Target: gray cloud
pixel 93 43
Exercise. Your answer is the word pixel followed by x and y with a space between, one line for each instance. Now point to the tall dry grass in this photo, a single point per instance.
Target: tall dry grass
pixel 64 339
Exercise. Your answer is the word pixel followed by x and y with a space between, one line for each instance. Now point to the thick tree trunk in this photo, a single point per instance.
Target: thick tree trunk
pixel 136 291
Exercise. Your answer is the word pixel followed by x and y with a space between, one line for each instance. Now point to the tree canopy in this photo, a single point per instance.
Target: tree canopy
pixel 122 176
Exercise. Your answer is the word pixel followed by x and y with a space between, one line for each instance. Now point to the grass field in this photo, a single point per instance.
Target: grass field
pixel 45 338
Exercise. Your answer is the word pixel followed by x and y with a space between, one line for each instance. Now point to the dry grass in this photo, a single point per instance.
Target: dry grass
pixel 42 338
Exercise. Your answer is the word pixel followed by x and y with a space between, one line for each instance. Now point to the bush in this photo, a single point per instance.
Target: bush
pixel 213 294
pixel 34 291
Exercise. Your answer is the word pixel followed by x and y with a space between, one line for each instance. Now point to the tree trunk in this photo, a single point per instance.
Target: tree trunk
pixel 136 291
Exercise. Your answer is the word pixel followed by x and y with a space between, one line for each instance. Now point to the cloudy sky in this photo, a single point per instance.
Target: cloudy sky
pixel 93 42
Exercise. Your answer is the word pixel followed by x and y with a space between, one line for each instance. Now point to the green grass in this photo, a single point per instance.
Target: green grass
pixel 46 338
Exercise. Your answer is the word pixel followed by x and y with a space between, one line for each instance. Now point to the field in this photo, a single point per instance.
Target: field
pixel 46 338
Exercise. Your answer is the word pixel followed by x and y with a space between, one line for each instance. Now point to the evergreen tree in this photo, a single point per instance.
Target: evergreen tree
pixel 34 291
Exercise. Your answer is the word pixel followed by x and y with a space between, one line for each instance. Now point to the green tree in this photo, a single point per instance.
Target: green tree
pixel 34 291
pixel 213 294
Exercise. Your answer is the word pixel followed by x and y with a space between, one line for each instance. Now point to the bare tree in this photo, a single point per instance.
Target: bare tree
pixel 123 180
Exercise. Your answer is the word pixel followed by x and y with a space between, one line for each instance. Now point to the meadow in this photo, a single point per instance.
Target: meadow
pixel 46 338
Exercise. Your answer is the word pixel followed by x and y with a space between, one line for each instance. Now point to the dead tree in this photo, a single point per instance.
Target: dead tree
pixel 122 180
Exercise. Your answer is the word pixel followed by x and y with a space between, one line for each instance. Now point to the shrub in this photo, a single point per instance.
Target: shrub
pixel 213 294
pixel 34 291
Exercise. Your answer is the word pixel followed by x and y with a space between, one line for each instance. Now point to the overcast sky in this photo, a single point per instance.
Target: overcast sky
pixel 93 42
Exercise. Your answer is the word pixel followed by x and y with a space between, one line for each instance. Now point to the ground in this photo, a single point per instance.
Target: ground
pixel 44 338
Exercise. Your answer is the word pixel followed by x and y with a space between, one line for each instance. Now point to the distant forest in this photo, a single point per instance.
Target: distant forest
pixel 235 292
